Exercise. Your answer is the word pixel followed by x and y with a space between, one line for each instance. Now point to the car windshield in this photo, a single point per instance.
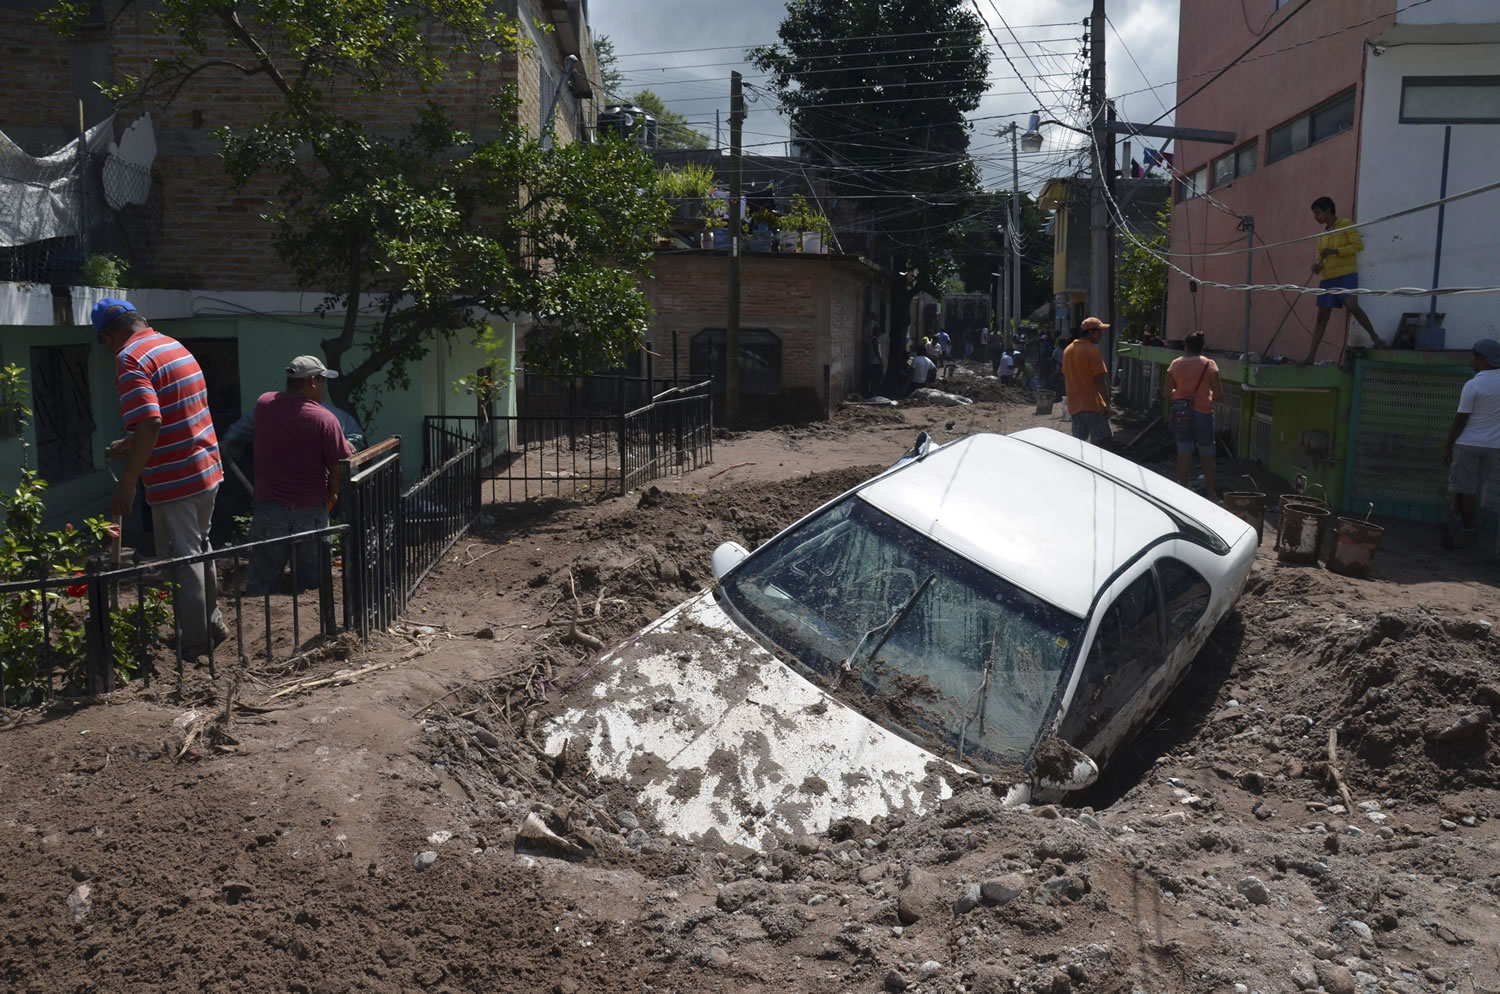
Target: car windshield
pixel 955 657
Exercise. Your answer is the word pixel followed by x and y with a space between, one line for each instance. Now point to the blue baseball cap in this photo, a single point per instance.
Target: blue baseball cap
pixel 107 310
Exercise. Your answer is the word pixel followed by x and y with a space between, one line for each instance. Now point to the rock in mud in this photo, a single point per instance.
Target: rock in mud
pixel 870 874
pixel 1003 889
pixel 921 895
pixel 1459 730
pixel 733 897
pixel 1303 978
pixel 1336 979
pixel 627 820
pixel 895 983
pixel 78 902
pixel 423 860
pixel 1255 890
pixel 968 900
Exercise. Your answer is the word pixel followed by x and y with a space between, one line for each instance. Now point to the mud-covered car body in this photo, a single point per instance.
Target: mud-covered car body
pixel 949 616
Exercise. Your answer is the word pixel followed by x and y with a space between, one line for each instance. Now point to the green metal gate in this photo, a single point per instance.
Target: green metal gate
pixel 1400 419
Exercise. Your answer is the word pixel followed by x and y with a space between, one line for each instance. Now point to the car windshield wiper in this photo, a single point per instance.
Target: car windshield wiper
pixel 883 630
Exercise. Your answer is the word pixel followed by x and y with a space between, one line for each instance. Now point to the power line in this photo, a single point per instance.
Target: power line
pixel 901 34
pixel 980 11
pixel 640 70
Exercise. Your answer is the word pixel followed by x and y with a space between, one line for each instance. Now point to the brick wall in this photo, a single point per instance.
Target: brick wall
pixel 813 304
pixel 212 237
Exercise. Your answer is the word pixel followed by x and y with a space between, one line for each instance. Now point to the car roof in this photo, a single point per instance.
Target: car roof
pixel 1051 525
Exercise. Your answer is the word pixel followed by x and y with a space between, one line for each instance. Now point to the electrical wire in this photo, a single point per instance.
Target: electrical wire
pixel 901 34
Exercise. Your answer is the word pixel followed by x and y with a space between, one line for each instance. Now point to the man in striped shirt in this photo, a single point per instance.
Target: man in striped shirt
pixel 171 448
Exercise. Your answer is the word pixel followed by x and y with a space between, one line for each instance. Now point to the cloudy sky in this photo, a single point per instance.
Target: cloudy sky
pixel 684 50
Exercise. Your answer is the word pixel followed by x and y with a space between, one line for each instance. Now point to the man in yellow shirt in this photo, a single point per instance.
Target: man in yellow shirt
pixel 1338 261
pixel 1087 380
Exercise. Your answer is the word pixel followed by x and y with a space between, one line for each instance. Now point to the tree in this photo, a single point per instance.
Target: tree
pixel 439 226
pixel 980 248
pixel 1141 278
pixel 611 77
pixel 877 92
pixel 672 130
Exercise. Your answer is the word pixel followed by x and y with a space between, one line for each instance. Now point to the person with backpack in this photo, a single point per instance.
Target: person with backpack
pixel 1190 386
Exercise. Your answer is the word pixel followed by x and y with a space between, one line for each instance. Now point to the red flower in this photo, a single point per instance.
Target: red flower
pixel 78 590
pixel 161 595
pixel 23 624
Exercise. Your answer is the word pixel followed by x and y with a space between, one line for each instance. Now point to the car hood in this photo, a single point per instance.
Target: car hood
pixel 721 738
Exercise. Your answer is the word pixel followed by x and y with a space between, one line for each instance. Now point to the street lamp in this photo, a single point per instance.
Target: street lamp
pixel 1014 241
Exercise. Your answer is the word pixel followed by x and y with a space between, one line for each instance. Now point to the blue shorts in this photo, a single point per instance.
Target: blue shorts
pixel 1090 426
pixel 1196 434
pixel 1349 281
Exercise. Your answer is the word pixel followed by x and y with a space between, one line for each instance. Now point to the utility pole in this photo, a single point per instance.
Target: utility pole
pixel 1015 236
pixel 1099 260
pixel 736 225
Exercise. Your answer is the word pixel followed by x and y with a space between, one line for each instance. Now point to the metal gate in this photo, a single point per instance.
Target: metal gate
pixel 1399 427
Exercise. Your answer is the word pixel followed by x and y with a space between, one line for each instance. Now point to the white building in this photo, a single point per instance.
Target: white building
pixel 1433 76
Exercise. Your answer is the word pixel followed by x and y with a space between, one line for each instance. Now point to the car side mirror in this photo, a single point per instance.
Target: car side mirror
pixel 726 557
pixel 1060 767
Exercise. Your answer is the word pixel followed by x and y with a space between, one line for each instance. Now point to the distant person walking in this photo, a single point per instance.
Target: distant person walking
pixel 171 448
pixel 875 362
pixel 1473 450
pixel 1191 384
pixel 1338 262
pixel 945 352
pixel 1087 380
pixel 299 443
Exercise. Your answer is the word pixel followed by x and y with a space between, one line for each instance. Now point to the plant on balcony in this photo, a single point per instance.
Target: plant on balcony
pixel 805 218
pixel 103 269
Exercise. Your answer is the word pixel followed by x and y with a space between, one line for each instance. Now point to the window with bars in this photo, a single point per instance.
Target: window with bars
pixel 1327 119
pixel 63 411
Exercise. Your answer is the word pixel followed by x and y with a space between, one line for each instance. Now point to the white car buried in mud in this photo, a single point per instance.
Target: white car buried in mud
pixel 1012 606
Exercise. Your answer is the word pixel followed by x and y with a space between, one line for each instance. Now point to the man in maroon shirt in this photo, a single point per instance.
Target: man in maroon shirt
pixel 298 445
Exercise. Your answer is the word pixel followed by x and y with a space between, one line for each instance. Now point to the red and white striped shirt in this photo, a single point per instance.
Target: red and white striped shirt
pixel 158 378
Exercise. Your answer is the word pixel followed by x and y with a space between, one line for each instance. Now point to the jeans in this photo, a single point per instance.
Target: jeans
pixel 1198 433
pixel 273 520
pixel 181 528
pixel 1091 426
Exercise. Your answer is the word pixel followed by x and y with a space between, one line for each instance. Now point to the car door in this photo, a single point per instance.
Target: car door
pixel 1125 653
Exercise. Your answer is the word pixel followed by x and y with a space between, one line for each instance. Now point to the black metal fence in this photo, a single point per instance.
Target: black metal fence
pixel 88 633
pixel 370 494
pixel 441 506
pixel 582 455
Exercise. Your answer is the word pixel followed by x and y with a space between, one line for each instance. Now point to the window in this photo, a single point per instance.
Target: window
pixel 1193 184
pixel 1232 165
pixel 1450 100
pixel 1185 594
pixel 760 360
pixel 63 411
pixel 1332 117
pixel 1126 651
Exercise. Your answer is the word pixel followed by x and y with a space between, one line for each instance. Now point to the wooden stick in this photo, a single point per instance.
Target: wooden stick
pixel 728 468
pixel 1333 770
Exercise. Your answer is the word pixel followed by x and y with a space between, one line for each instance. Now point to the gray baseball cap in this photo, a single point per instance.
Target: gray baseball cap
pixel 305 366
pixel 1490 350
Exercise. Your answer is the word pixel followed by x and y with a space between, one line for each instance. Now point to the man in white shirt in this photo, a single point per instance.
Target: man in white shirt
pixel 922 370
pixel 1007 368
pixel 1474 442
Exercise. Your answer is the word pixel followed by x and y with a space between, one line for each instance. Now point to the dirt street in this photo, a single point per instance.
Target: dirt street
pixel 374 832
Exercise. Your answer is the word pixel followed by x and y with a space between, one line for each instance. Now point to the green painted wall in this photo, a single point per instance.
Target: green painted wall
pixel 265 345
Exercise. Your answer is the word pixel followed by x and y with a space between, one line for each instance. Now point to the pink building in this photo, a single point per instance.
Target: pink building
pixel 1294 104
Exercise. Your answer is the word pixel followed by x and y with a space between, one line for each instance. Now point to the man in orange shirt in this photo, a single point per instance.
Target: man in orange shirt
pixel 1087 380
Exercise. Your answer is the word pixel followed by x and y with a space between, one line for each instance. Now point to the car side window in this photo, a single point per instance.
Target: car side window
pixel 1126 651
pixel 1185 595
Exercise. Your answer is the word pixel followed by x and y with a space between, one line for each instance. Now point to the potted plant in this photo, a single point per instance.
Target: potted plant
pixel 762 223
pixel 685 187
pixel 715 230
pixel 810 223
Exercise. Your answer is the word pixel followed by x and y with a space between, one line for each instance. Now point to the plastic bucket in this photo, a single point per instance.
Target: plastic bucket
pixel 1355 543
pixel 1249 507
pixel 1044 401
pixel 1301 533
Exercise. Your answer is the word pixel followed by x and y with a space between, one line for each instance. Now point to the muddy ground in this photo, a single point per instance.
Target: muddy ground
pixel 362 834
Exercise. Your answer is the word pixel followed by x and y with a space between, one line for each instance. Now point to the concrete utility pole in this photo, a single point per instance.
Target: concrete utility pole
pixel 736 224
pixel 1099 260
pixel 1015 234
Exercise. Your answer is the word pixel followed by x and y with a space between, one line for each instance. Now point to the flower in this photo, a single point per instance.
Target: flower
pixel 161 595
pixel 78 590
